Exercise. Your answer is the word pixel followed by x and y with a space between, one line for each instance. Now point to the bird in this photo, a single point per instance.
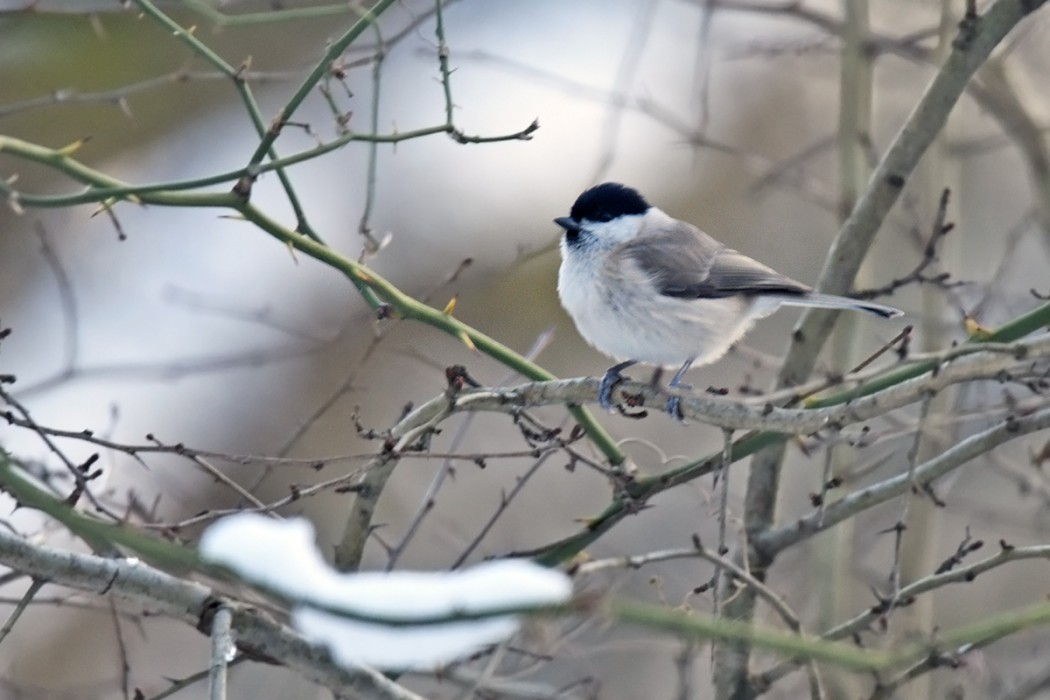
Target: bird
pixel 644 287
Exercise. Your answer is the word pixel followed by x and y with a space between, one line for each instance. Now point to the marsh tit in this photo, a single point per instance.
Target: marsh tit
pixel 645 287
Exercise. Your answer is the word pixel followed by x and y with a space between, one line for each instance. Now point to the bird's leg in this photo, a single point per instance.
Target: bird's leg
pixel 609 381
pixel 674 403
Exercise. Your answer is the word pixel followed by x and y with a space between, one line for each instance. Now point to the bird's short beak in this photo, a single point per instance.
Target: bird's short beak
pixel 568 223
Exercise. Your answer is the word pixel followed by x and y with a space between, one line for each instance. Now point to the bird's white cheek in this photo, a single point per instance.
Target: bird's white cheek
pixel 586 297
pixel 576 288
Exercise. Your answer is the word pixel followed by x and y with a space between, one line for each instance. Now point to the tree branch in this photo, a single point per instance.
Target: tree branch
pixel 258 635
pixel 974 43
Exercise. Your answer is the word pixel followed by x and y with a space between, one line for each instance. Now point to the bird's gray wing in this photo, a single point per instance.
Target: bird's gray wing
pixel 686 263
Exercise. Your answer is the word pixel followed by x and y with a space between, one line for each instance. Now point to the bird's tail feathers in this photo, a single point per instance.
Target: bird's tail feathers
pixel 830 301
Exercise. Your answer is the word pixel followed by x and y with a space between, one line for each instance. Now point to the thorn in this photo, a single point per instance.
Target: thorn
pixel 975 329
pixel 467 341
pixel 73 147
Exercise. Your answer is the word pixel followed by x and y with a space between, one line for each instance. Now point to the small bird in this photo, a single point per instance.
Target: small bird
pixel 644 287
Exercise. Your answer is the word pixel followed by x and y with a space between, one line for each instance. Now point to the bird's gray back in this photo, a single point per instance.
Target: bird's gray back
pixel 685 262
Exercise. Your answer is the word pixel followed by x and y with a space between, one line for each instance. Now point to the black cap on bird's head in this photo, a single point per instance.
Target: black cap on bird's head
pixel 604 202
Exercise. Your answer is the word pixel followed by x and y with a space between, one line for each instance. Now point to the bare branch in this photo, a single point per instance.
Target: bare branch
pixel 1014 362
pixel 258 635
pixel 805 527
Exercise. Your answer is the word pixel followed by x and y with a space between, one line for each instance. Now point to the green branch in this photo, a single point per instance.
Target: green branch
pixel 100 194
pixel 1016 329
pixel 335 49
pixel 245 92
pixel 220 19
pixel 97 534
pixel 638 492
pixel 375 289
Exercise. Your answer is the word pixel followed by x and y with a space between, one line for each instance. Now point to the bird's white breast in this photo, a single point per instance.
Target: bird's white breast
pixel 618 310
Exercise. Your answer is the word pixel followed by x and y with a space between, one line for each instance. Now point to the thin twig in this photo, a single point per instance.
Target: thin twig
pixel 901 525
pixel 9 624
pixel 956 456
pixel 122 650
pixel 505 501
pixel 192 679
pixel 918 275
pixel 79 476
pixel 933 582
pixel 67 298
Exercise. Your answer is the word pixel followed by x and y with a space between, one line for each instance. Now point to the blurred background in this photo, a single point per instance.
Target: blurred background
pixel 197 328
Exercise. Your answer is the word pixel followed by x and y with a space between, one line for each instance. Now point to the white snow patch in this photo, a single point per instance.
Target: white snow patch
pixel 281 555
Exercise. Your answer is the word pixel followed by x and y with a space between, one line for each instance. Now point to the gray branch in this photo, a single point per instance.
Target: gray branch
pixel 1004 362
pixel 865 619
pixel 773 541
pixel 258 636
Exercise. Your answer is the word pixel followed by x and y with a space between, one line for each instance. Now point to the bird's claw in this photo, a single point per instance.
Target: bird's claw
pixel 610 379
pixel 674 408
pixel 674 403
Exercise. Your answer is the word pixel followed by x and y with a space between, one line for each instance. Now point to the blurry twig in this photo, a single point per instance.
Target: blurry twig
pixel 122 650
pixel 378 337
pixel 179 684
pixel 907 46
pixel 217 474
pixel 445 470
pixel 372 245
pixel 704 62
pixel 901 526
pixel 630 62
pixel 1000 97
pixel 863 621
pixel 1010 428
pixel 683 125
pixel 163 370
pixel 505 500
pixel 264 316
pixel 67 298
pixel 939 230
pixel 20 607
pixel 119 96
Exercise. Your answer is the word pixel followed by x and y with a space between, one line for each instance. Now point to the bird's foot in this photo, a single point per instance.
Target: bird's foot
pixel 674 403
pixel 609 382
